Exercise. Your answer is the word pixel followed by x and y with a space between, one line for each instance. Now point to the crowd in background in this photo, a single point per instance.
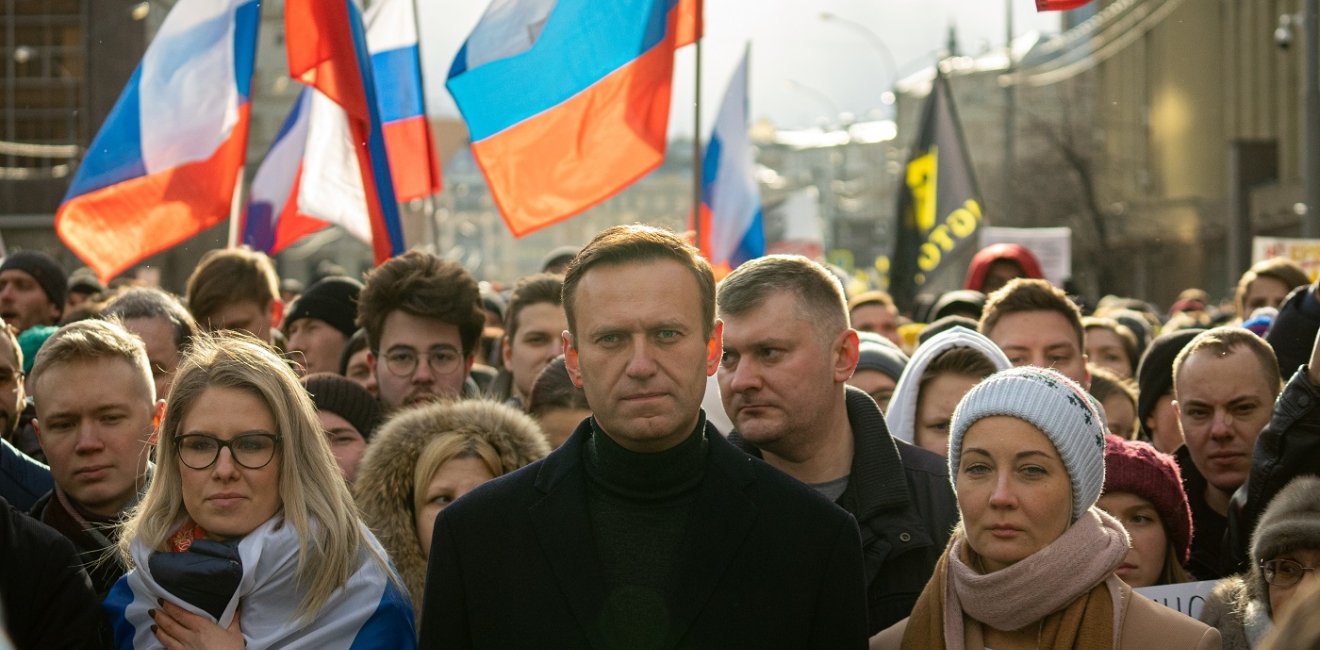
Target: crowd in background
pixel 654 459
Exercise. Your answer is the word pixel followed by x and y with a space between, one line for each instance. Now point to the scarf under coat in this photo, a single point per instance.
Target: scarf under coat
pixel 901 416
pixel 369 611
pixel 1067 588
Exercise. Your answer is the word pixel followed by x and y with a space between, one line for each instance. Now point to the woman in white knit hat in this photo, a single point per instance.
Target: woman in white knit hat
pixel 1031 564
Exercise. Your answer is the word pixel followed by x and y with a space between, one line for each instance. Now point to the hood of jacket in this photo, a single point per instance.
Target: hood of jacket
pixel 384 486
pixel 980 265
pixel 1242 620
pixel 902 414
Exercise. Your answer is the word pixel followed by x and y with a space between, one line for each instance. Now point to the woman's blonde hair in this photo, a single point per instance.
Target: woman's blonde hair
pixel 316 501
pixel 446 447
pixel 1173 572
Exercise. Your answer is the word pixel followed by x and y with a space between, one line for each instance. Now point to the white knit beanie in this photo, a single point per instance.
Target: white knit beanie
pixel 1056 405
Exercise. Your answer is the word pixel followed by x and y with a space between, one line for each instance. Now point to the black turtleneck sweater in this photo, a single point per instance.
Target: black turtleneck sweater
pixel 639 506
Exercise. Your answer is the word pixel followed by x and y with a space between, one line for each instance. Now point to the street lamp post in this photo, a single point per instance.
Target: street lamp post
pixel 831 108
pixel 872 38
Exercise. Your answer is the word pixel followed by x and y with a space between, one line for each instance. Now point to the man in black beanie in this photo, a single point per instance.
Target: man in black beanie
pixel 32 287
pixel 1155 413
pixel 321 322
pixel 348 415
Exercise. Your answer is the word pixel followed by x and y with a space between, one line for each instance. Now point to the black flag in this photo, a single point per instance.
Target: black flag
pixel 939 207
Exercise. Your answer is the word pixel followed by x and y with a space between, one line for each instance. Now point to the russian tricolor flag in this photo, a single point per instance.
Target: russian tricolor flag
pixel 1060 5
pixel 272 221
pixel 396 61
pixel 567 101
pixel 166 161
pixel 277 216
pixel 345 166
pixel 732 229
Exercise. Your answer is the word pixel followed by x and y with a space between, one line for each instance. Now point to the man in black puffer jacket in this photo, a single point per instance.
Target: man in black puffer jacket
pixel 1289 446
pixel 788 352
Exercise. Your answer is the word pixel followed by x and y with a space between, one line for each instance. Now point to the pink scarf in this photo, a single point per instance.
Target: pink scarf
pixel 1050 580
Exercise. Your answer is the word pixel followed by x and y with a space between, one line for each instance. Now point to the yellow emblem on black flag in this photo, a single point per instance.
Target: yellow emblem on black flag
pixel 939 207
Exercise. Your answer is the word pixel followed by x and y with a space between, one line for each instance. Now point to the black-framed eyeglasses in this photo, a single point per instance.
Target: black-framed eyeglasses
pixel 403 361
pixel 1283 572
pixel 250 450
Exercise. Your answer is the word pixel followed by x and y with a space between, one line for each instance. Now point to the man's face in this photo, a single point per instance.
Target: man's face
pixel 23 303
pixel 428 342
pixel 640 352
pixel 1223 403
pixel 241 315
pixel 1120 415
pixel 158 336
pixel 1162 423
pixel 1042 338
pixel 346 442
pixel 538 341
pixel 780 376
pixel 876 384
pixel 318 343
pixel 999 274
pixel 1105 348
pixel 94 417
pixel 359 370
pixel 1264 292
pixel 877 318
pixel 11 388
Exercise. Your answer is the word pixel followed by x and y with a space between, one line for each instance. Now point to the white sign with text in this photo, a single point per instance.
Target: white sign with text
pixel 1051 246
pixel 1186 597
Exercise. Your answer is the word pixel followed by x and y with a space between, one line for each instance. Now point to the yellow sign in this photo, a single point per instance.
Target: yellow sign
pixel 921 180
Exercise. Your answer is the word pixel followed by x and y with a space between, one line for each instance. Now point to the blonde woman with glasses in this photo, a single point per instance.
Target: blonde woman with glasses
pixel 247 535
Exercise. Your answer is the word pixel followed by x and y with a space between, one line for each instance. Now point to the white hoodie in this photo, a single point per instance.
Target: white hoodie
pixel 901 417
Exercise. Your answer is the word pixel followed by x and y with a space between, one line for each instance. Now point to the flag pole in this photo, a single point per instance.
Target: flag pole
pixel 236 204
pixel 429 205
pixel 696 127
pixel 237 201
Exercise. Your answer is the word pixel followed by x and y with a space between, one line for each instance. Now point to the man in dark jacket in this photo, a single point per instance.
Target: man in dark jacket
pixel 96 410
pixel 788 352
pixel 1289 446
pixel 1225 382
pixel 48 600
pixel 646 529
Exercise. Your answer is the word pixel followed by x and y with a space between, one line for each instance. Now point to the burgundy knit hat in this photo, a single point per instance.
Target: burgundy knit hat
pixel 1138 468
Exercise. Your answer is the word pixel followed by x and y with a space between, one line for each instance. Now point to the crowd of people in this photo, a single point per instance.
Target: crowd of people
pixel 622 452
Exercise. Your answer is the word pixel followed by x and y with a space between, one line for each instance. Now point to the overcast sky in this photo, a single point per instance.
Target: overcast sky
pixel 803 68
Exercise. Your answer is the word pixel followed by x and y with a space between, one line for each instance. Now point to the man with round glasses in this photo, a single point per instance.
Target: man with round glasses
pixel 96 410
pixel 423 324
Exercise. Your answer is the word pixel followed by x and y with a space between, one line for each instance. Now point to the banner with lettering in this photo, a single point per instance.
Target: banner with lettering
pixel 1305 252
pixel 939 206
pixel 1186 597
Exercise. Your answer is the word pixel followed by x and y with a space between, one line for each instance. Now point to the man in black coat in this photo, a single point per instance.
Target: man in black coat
pixel 1225 382
pixel 48 599
pixel 788 351
pixel 1289 446
pixel 646 529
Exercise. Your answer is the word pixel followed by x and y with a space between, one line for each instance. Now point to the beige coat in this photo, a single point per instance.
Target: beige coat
pixel 1146 624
